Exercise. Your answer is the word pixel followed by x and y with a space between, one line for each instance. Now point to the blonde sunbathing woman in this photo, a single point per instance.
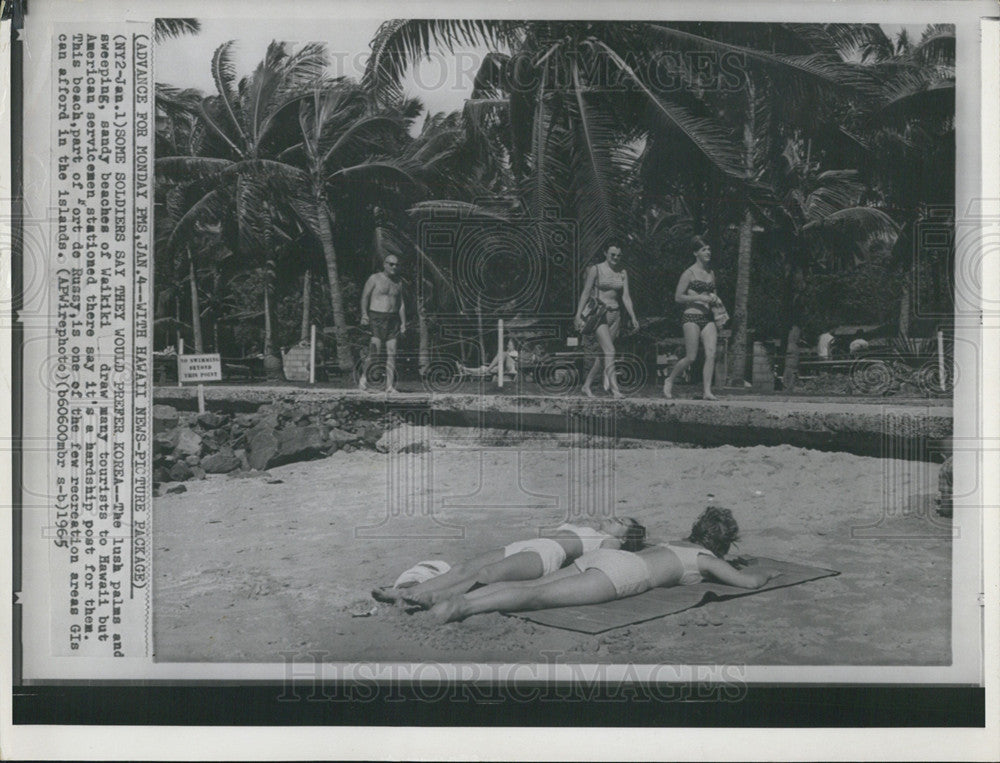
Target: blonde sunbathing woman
pixel 606 574
pixel 523 560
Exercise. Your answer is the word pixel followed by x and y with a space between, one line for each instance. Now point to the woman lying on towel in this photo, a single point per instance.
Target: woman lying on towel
pixel 606 574
pixel 523 560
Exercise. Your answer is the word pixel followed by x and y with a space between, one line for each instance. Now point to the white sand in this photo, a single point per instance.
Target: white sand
pixel 245 570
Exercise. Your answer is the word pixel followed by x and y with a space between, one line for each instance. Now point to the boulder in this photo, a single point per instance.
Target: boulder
pixel 371 434
pixel 180 472
pixel 223 462
pixel 341 437
pixel 299 444
pixel 245 420
pixel 264 447
pixel 187 443
pixel 241 454
pixel 176 489
pixel 163 443
pixel 211 420
pixel 164 417
pixel 192 460
pixel 198 472
pixel 405 438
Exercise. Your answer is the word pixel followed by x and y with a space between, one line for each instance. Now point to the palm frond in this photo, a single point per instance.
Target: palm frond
pixel 166 28
pixel 224 75
pixel 401 42
pixel 710 139
pixel 823 69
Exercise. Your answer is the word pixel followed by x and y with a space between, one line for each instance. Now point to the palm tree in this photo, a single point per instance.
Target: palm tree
pixel 345 151
pixel 244 125
pixel 907 144
pixel 823 224
pixel 567 95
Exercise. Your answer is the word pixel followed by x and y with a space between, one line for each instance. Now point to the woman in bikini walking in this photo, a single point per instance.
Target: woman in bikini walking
pixel 609 281
pixel 696 295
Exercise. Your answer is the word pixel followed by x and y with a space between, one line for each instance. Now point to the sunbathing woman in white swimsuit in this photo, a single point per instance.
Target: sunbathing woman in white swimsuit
pixel 523 560
pixel 606 574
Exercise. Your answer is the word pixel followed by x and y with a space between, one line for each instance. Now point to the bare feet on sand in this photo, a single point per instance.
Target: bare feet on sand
pixel 387 594
pixel 391 391
pixel 708 396
pixel 422 600
pixel 668 389
pixel 447 611
pixel 363 384
pixel 587 391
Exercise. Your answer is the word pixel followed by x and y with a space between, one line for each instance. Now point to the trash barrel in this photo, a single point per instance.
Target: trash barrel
pixel 762 377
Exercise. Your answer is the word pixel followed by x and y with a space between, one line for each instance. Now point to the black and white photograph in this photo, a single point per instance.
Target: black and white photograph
pixel 515 298
pixel 582 366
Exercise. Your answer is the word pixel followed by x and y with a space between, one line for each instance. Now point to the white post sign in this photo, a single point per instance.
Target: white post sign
pixel 199 368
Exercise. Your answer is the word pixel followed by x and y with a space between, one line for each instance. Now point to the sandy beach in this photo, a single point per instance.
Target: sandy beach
pixel 246 568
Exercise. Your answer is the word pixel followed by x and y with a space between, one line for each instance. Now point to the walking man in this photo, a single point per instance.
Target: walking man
pixel 382 308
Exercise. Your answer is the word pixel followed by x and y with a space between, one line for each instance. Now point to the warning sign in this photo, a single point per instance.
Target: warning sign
pixel 199 368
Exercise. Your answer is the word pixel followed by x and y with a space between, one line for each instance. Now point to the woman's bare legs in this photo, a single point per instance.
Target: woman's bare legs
pixel 608 348
pixel 591 375
pixel 709 336
pixel 524 565
pixel 590 587
pixel 455 576
pixel 565 572
pixel 691 334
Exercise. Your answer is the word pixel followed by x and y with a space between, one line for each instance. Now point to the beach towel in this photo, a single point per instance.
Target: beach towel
pixel 660 602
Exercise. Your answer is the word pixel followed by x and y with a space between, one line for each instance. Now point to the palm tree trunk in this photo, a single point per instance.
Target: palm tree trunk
pixel 423 330
pixel 345 359
pixel 304 333
pixel 195 305
pixel 738 367
pixel 738 342
pixel 272 365
pixel 904 309
pixel 791 358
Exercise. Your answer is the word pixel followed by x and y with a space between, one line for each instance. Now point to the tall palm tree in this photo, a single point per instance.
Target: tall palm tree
pixel 345 151
pixel 245 124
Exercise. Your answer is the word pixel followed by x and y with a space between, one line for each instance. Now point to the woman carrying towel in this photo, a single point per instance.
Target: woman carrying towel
pixel 523 560
pixel 695 294
pixel 608 281
pixel 606 574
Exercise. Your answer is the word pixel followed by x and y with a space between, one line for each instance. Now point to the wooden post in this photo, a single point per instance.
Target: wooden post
pixel 180 351
pixel 501 366
pixel 201 398
pixel 312 354
pixel 940 342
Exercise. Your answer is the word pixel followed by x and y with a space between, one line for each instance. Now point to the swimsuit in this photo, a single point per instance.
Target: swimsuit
pixel 590 538
pixel 704 315
pixel 385 326
pixel 688 556
pixel 628 572
pixel 551 552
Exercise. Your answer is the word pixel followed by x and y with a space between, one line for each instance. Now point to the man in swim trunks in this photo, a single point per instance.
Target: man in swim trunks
pixel 383 309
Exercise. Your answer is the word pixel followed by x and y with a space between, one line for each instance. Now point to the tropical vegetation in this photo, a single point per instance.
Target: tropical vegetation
pixel 811 157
